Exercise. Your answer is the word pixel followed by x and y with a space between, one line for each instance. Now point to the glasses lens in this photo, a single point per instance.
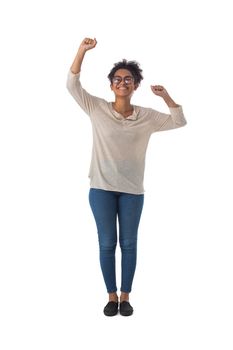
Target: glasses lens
pixel 128 80
pixel 116 80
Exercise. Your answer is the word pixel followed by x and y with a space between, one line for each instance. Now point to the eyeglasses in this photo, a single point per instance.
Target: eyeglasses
pixel 127 80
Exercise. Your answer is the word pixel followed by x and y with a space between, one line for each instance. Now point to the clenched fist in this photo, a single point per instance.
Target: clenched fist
pixel 159 90
pixel 162 92
pixel 88 44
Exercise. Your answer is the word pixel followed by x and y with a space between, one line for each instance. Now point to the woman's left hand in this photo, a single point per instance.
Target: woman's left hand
pixel 159 90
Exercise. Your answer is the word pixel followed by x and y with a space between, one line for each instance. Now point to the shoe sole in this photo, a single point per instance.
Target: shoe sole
pixel 126 313
pixel 111 314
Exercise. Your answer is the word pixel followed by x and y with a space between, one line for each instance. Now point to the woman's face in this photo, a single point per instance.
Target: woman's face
pixel 123 84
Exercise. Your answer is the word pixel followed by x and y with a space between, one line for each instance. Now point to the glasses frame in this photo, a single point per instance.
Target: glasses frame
pixel 128 80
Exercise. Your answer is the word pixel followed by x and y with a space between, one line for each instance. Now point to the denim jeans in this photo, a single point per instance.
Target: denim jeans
pixel 107 208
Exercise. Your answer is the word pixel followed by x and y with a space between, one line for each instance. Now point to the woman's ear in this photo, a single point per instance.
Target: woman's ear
pixel 136 86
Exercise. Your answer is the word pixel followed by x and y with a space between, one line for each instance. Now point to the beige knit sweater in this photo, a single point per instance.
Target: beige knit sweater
pixel 119 143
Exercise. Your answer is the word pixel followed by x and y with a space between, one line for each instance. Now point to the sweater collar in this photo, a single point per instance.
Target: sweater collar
pixel 133 116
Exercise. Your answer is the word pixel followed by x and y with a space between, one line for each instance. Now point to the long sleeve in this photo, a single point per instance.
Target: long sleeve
pixel 85 100
pixel 163 121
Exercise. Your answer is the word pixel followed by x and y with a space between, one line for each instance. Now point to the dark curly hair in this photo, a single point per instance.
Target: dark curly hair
pixel 131 66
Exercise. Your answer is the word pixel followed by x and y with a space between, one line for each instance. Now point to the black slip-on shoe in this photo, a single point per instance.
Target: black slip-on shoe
pixel 125 308
pixel 111 309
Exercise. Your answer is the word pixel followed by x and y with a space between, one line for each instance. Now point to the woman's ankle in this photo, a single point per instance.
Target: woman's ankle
pixel 124 297
pixel 113 297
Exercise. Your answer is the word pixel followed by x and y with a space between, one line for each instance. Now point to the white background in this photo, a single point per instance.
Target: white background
pixel 52 292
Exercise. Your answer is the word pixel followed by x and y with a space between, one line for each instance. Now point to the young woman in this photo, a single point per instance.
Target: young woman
pixel 121 132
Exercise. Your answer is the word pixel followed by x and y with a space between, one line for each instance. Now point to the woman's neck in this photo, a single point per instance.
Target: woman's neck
pixel 123 107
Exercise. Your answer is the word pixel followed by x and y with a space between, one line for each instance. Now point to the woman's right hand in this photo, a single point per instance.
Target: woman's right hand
pixel 88 44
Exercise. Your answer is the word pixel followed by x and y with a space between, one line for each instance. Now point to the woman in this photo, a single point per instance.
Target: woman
pixel 121 132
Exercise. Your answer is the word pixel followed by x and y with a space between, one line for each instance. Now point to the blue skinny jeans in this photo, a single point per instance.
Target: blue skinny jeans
pixel 107 208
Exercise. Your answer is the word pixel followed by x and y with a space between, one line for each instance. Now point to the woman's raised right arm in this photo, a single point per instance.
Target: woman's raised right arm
pixel 85 100
pixel 86 44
